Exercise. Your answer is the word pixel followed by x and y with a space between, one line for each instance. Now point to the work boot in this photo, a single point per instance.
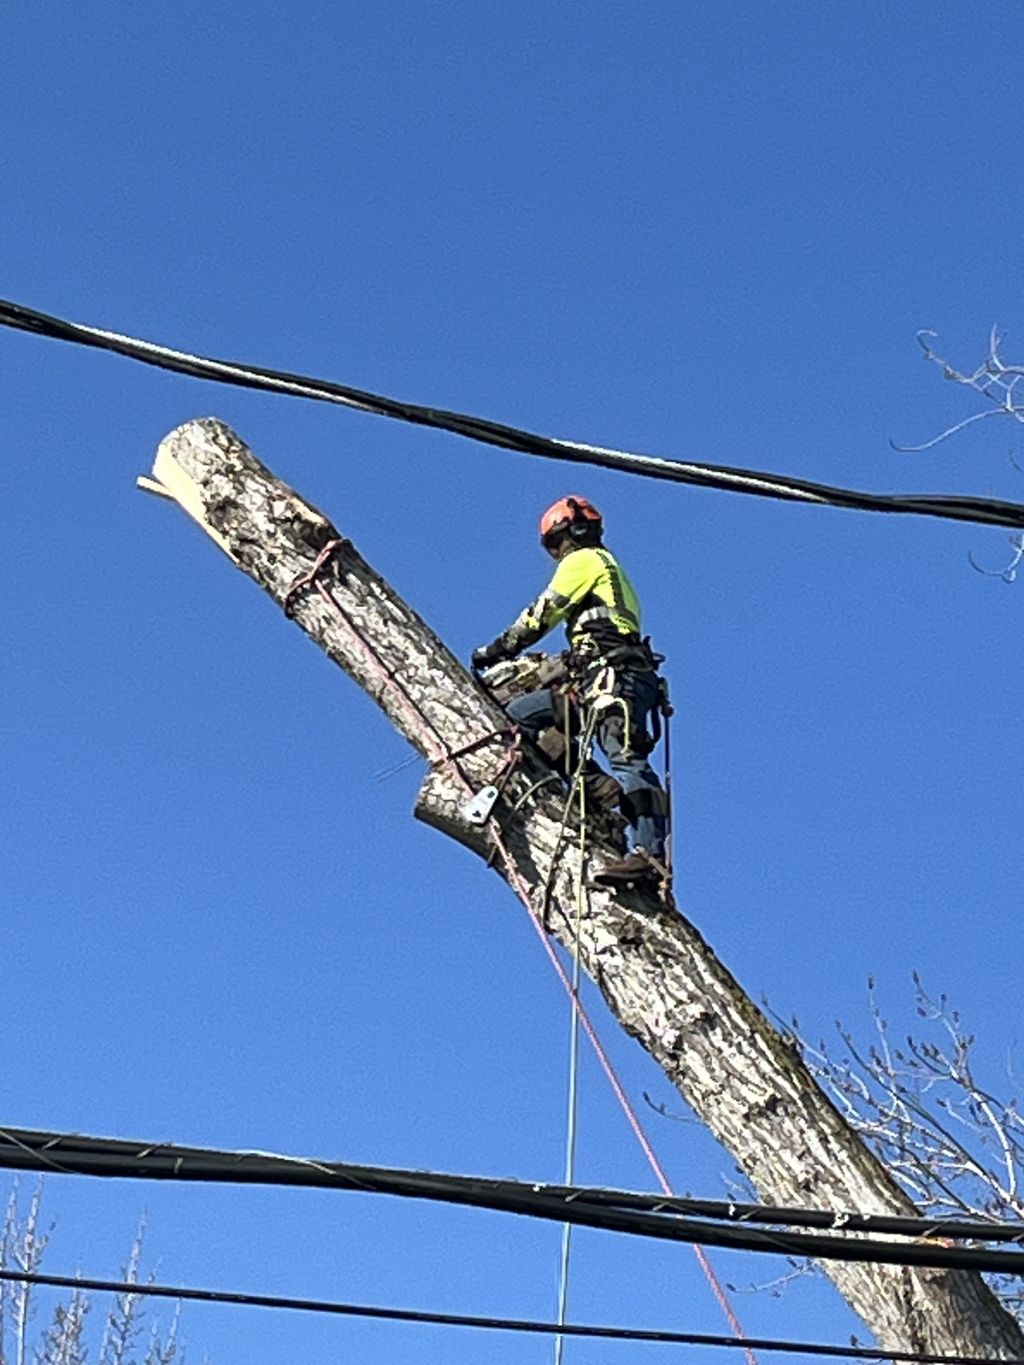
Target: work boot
pixel 635 867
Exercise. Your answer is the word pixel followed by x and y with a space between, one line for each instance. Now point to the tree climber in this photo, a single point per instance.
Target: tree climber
pixel 607 657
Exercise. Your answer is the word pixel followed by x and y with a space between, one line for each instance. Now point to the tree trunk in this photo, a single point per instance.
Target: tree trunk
pixel 658 976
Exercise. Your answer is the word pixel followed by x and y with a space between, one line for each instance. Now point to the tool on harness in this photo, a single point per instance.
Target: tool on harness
pixel 663 715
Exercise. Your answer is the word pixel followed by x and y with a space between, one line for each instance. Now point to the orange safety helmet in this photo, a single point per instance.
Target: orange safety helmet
pixel 573 515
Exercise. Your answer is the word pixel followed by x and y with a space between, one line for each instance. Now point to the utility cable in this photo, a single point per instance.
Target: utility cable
pixel 950 506
pixel 638 1214
pixel 664 1337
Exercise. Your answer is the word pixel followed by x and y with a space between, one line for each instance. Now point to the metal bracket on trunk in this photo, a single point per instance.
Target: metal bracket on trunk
pixel 477 810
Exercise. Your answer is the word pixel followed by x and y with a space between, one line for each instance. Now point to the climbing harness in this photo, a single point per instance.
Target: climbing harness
pixel 588 694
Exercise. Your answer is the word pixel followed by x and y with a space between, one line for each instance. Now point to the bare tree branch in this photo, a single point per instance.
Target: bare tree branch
pixel 993 378
pixel 64 1342
pixel 22 1247
pixel 1009 573
pixel 950 431
pixel 124 1321
pixel 954 1146
pixel 164 1351
pixel 27 1253
pixel 997 381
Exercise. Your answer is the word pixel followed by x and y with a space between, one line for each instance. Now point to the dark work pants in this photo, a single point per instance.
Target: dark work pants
pixel 645 806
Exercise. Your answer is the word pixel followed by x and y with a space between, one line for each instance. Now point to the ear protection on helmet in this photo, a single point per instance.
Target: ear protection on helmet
pixel 581 527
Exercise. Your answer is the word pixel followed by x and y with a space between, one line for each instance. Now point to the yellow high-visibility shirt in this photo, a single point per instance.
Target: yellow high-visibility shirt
pixel 590 592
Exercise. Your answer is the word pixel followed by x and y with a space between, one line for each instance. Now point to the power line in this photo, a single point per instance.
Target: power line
pixel 74 1153
pixel 422 1317
pixel 950 506
pixel 655 1216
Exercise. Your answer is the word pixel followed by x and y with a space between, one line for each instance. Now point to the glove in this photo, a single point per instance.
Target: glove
pixel 490 654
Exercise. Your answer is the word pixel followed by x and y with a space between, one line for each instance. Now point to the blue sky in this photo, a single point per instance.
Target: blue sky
pixel 702 230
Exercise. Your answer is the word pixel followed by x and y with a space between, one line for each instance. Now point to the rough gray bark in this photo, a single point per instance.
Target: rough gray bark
pixel 658 976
